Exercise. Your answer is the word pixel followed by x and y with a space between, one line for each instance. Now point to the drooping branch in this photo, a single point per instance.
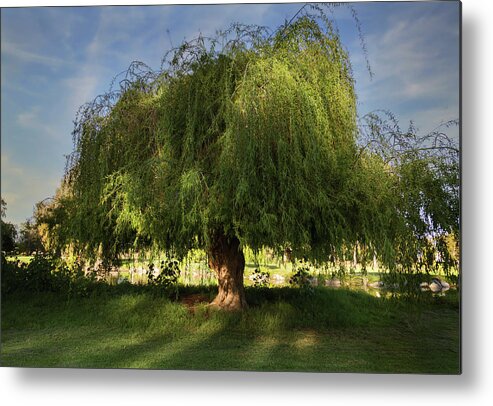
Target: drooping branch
pixel 256 135
pixel 380 133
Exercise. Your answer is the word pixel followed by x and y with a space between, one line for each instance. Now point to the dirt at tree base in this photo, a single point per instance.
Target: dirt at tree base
pixel 191 301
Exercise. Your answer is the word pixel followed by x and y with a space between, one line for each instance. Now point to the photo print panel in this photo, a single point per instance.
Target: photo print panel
pixel 254 187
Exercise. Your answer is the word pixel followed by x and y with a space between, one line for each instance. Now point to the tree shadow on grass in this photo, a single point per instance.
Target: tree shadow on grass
pixel 284 332
pixel 271 344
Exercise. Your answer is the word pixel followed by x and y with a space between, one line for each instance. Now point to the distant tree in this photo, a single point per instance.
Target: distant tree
pixel 50 217
pixel 29 238
pixel 9 231
pixel 250 141
pixel 427 190
pixel 41 216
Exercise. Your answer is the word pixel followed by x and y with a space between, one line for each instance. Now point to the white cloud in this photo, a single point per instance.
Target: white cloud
pixel 430 119
pixel 415 68
pixel 8 167
pixel 409 54
pixel 430 86
pixel 81 88
pixel 27 118
pixel 111 45
pixel 15 51
pixel 208 19
pixel 31 120
pixel 114 37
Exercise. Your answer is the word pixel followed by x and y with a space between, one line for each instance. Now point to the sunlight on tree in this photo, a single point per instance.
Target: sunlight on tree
pixel 251 140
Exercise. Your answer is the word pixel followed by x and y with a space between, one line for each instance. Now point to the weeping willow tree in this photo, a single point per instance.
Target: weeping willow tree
pixel 426 173
pixel 247 139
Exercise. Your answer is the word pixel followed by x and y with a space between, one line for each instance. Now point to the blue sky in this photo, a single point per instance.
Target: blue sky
pixel 55 59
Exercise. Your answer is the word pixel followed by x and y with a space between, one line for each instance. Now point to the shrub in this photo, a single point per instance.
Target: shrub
pixel 45 274
pixel 301 278
pixel 261 279
pixel 167 280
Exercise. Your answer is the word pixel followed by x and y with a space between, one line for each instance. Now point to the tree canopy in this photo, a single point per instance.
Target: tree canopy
pixel 8 230
pixel 254 137
pixel 257 140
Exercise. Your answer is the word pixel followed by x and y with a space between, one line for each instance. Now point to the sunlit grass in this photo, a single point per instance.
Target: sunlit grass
pixel 330 330
pixel 22 258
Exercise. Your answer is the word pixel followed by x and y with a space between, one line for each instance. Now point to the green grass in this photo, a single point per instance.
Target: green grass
pixel 283 330
pixel 21 258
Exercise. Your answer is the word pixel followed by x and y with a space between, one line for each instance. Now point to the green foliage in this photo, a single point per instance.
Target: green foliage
pixel 37 274
pixel 29 238
pixel 166 281
pixel 302 278
pixel 33 276
pixel 46 274
pixel 425 193
pixel 339 272
pixel 9 232
pixel 260 278
pixel 256 137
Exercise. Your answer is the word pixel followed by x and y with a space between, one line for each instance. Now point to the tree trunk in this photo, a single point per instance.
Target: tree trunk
pixel 227 261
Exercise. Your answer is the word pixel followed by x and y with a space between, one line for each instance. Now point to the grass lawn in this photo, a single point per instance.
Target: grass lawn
pixel 22 258
pixel 327 331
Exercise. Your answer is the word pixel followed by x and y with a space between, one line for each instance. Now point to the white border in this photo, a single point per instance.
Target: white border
pixel 473 387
